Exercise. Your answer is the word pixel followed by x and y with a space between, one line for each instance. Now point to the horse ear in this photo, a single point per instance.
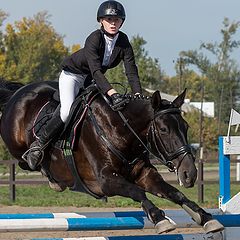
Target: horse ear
pixel 179 100
pixel 156 100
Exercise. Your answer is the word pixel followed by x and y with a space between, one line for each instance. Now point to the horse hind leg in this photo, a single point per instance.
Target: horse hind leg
pixel 53 184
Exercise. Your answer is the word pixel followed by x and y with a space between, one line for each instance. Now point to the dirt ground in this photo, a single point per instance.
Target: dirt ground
pixel 75 234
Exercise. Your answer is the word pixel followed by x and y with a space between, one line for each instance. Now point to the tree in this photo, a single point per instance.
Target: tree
pixel 189 79
pixel 220 77
pixel 33 50
pixel 3 16
pixel 149 69
pixel 210 131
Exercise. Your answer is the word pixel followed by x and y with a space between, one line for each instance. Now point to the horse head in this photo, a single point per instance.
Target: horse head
pixel 167 137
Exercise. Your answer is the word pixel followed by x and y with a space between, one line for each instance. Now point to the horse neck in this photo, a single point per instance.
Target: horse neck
pixel 140 113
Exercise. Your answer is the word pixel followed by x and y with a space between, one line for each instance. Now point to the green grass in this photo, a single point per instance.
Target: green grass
pixel 42 195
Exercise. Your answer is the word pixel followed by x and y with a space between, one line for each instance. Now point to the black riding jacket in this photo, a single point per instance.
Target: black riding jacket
pixel 88 60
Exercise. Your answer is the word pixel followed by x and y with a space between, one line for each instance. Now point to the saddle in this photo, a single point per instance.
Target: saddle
pixel 71 133
pixel 75 120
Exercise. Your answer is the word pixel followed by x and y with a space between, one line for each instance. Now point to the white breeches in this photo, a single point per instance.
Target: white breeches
pixel 69 86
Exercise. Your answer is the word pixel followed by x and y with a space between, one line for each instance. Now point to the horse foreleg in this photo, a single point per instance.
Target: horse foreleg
pixel 113 184
pixel 151 181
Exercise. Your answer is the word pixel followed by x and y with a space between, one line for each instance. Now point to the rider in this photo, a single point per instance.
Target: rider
pixel 104 49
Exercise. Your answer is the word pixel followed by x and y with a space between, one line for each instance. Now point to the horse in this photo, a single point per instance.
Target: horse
pixel 112 149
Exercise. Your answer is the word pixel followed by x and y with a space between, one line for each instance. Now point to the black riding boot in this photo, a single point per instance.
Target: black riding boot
pixel 52 129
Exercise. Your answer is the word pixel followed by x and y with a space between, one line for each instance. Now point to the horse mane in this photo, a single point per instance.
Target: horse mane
pixel 10 85
pixel 164 102
pixel 7 89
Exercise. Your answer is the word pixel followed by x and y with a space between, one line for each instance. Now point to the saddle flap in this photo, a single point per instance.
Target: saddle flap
pixel 71 131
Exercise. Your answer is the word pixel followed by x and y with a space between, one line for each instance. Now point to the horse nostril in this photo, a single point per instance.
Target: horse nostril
pixel 186 176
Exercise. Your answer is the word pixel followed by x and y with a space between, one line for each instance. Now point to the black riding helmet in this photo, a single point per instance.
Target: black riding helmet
pixel 111 9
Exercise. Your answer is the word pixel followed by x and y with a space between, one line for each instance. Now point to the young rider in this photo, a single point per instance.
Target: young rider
pixel 104 49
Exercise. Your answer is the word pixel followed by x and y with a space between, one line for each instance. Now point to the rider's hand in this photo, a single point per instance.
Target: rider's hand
pixel 118 101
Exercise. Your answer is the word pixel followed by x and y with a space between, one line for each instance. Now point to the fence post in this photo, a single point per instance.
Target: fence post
pixel 12 186
pixel 200 177
pixel 224 174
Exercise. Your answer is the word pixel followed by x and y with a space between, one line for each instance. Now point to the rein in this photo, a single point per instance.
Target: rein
pixel 101 134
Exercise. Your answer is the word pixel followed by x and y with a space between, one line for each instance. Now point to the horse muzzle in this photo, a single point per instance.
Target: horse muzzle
pixel 187 172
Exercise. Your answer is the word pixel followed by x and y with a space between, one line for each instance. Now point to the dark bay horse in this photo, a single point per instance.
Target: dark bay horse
pixel 112 152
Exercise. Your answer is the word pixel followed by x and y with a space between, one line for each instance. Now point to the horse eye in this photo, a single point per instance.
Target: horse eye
pixel 163 130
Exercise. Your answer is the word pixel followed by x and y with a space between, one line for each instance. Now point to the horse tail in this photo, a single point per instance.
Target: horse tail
pixel 7 89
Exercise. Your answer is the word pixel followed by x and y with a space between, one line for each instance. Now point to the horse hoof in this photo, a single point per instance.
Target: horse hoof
pixel 164 226
pixel 56 186
pixel 213 226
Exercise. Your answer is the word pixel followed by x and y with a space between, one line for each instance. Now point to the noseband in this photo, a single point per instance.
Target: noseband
pixel 153 136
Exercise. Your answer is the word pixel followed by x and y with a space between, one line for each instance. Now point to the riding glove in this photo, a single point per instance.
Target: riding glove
pixel 118 101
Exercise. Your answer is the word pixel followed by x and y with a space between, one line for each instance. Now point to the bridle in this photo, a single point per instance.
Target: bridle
pixel 155 141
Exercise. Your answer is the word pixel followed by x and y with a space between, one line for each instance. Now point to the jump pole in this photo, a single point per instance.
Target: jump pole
pixel 198 236
pixel 92 224
pixel 170 213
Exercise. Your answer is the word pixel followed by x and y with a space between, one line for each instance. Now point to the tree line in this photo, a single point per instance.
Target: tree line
pixel 31 50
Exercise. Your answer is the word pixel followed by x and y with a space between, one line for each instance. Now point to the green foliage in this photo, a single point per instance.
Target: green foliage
pixel 3 16
pixel 221 77
pixel 149 69
pixel 117 75
pixel 4 153
pixel 210 131
pixel 33 50
pixel 189 79
pixel 75 48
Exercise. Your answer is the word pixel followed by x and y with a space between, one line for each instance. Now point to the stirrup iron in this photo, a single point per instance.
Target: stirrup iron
pixel 24 156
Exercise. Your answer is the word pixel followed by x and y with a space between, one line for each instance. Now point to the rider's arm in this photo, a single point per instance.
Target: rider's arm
pixel 93 46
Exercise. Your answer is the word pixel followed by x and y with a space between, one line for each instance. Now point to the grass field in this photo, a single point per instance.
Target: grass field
pixel 42 195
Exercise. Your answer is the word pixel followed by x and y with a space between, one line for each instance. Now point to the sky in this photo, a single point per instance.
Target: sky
pixel 168 27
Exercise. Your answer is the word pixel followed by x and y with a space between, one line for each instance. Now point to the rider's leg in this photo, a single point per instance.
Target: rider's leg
pixel 52 129
pixel 69 85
